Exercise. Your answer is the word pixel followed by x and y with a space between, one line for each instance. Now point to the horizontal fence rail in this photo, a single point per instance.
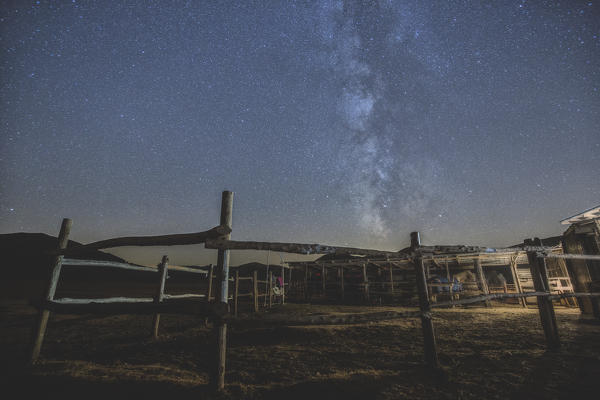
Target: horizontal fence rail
pixel 113 264
pixel 163 240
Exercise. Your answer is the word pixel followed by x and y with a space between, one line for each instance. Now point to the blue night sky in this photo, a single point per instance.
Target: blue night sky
pixel 348 123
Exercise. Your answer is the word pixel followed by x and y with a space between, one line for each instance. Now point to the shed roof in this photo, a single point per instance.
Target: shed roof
pixel 583 216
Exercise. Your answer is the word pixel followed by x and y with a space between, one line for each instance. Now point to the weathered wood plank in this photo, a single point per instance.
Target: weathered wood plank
pixel 107 264
pixel 44 314
pixel 431 357
pixel 296 248
pixel 123 305
pixel 537 265
pixel 162 240
pixel 217 375
pixel 481 279
pixel 160 292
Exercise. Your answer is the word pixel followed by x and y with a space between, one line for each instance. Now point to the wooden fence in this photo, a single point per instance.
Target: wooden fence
pixel 219 238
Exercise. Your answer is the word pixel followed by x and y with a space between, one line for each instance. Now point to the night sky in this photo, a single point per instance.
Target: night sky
pixel 345 123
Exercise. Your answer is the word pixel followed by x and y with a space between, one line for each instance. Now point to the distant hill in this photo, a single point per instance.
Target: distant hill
pixel 24 255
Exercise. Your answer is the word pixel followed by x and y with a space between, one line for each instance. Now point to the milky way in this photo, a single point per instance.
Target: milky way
pixel 349 123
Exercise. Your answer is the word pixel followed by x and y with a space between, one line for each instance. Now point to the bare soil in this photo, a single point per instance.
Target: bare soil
pixel 486 353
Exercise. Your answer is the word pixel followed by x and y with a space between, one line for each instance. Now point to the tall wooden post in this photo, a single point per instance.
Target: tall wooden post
pixel 431 357
pixel 365 282
pixel 539 275
pixel 282 284
pixel 236 292
pixel 515 275
pixel 211 271
pixel 255 290
pixel 391 279
pixel 218 375
pixel 305 282
pixel 323 279
pixel 481 280
pixel 342 286
pixel 160 292
pixel 270 292
pixel 42 320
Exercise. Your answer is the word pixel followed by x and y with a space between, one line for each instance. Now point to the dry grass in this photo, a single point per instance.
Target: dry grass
pixel 487 353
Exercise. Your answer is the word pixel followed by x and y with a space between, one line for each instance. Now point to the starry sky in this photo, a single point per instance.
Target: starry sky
pixel 346 123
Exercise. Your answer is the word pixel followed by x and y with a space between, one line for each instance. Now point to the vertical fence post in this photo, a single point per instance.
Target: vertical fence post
pixel 160 292
pixel 323 279
pixel 218 374
pixel 342 287
pixel 236 292
pixel 515 275
pixel 270 292
pixel 42 320
pixel 305 282
pixel 211 271
pixel 481 280
pixel 539 275
pixel 391 279
pixel 431 357
pixel 282 284
pixel 255 290
pixel 365 282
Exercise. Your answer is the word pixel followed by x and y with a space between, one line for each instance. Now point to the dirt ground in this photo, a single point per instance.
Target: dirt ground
pixel 487 353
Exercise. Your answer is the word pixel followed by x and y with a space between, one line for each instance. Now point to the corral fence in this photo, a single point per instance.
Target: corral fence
pixel 202 305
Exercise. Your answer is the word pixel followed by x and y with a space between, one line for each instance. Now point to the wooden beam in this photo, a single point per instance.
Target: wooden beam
pixel 255 290
pixel 163 240
pixel 282 285
pixel 120 305
pixel 342 286
pixel 236 291
pixel 217 377
pixel 431 357
pixel 211 271
pixel 297 248
pixel 516 280
pixel 539 275
pixel 44 314
pixel 391 279
pixel 160 292
pixel 481 280
pixel 365 282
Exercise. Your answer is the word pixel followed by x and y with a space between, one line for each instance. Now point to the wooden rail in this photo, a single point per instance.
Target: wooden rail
pixel 163 240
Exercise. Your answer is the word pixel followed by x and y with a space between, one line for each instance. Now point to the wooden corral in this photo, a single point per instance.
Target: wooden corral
pixel 424 276
pixel 390 280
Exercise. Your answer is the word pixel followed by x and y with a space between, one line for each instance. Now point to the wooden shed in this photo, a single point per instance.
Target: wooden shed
pixel 583 237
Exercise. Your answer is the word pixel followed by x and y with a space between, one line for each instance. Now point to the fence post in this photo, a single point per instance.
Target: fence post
pixel 431 357
pixel 365 282
pixel 282 284
pixel 43 315
pixel 305 282
pixel 342 282
pixel 236 292
pixel 323 280
pixel 539 275
pixel 255 290
pixel 391 279
pixel 211 271
pixel 218 374
pixel 516 280
pixel 270 292
pixel 160 292
pixel 481 280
